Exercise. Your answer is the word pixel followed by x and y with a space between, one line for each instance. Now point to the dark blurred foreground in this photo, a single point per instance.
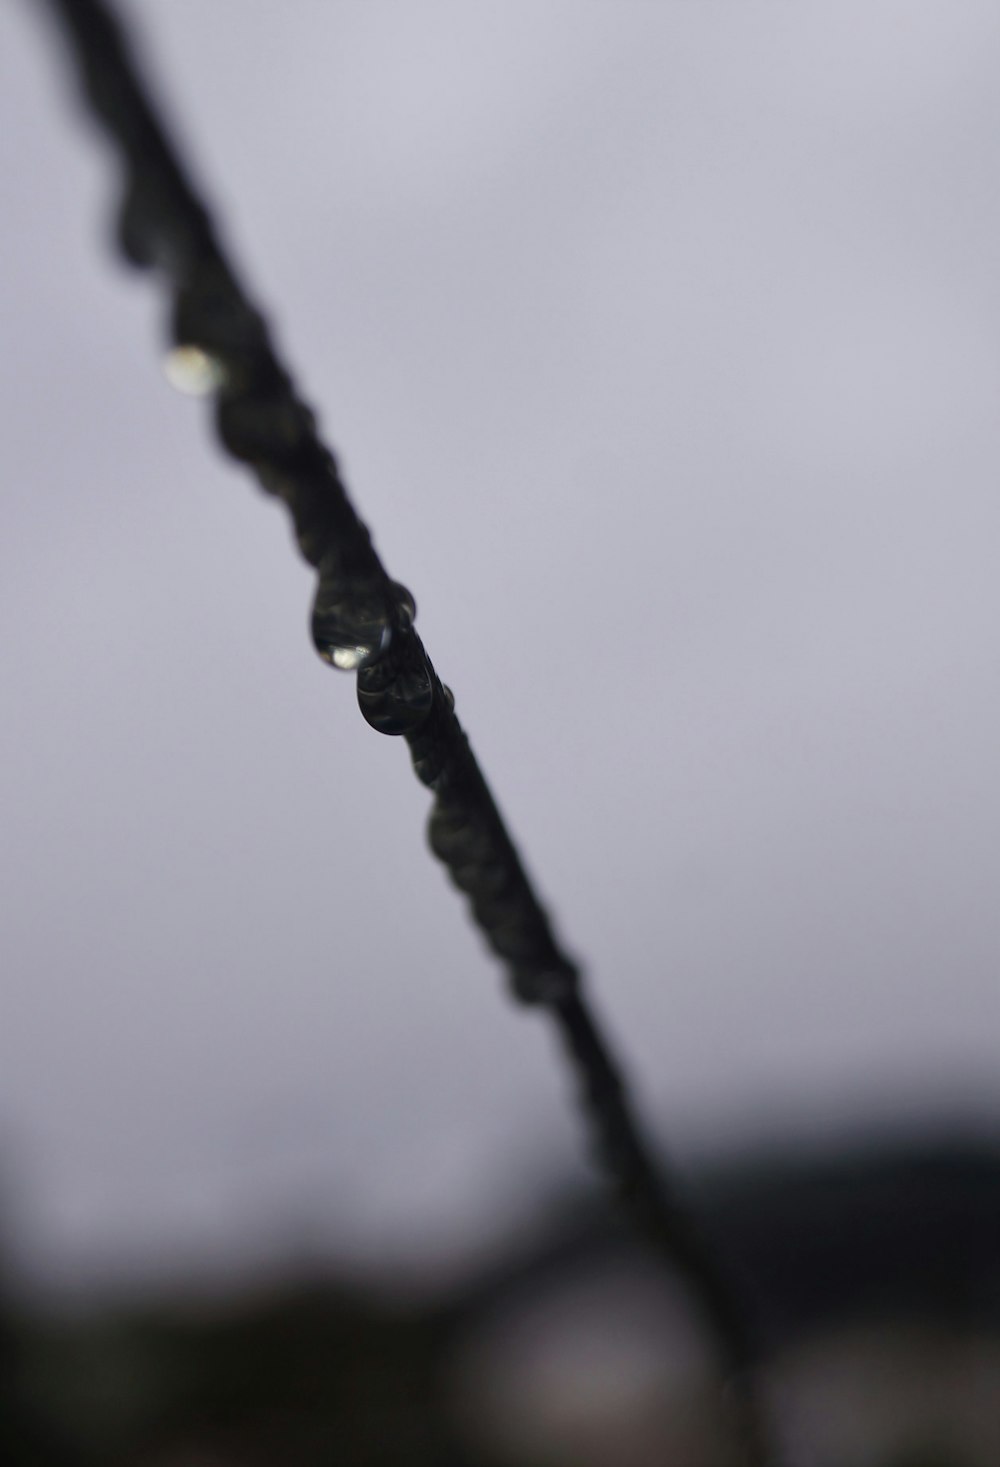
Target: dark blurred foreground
pixel 875 1276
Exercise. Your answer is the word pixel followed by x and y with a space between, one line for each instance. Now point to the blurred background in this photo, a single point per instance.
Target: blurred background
pixel 659 344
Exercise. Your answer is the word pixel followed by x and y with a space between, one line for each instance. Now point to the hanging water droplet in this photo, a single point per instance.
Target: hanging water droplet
pixel 210 312
pixel 350 627
pixel 396 695
pixel 449 696
pixel 193 371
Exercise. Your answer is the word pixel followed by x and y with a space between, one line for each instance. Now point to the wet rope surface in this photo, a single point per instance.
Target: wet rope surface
pixel 364 621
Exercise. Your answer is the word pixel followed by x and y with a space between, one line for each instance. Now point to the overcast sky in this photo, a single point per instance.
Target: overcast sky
pixel 660 343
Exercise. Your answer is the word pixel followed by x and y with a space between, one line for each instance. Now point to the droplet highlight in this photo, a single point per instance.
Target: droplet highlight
pixel 349 659
pixel 193 371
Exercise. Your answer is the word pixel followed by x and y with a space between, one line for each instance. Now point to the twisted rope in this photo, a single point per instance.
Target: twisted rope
pixel 362 620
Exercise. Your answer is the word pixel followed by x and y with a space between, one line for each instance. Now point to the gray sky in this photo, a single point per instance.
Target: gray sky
pixel 661 347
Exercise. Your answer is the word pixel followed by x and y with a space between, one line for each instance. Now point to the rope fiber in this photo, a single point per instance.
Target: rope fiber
pixel 363 620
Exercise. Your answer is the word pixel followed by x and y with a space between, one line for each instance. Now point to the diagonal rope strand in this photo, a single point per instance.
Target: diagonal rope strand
pixel 363 621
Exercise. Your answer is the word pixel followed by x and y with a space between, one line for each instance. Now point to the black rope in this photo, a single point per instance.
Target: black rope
pixel 363 620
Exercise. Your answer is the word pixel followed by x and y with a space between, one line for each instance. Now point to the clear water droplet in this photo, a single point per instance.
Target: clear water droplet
pixel 193 371
pixel 449 696
pixel 350 628
pixel 396 695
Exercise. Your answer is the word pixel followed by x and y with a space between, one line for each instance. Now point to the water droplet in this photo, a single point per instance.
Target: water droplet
pixel 210 313
pixel 350 627
pixel 395 696
pixel 349 656
pixel 449 696
pixel 193 371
